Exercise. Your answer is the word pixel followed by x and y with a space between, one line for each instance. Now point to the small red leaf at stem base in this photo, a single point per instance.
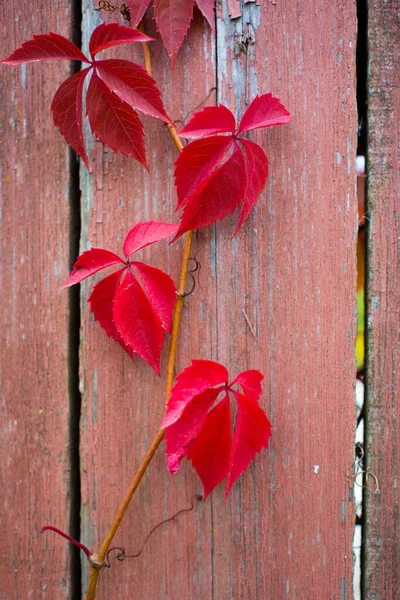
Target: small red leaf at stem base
pixel 67 112
pixel 137 323
pixel 146 233
pixel 49 46
pixel 209 121
pixel 89 263
pixel 107 35
pixel 114 122
pixel 67 537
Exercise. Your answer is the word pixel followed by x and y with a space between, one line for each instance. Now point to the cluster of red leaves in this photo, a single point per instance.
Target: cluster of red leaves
pixel 203 434
pixel 172 18
pixel 132 315
pixel 210 188
pixel 117 89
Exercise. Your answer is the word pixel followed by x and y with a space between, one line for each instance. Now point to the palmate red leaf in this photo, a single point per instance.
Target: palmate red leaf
pixel 209 188
pixel 144 234
pixel 196 430
pixel 49 46
pixel 102 306
pixel 173 18
pixel 114 122
pixel 133 316
pixel 89 263
pixel 117 89
pixel 67 112
pixel 137 323
pixel 218 197
pixel 252 433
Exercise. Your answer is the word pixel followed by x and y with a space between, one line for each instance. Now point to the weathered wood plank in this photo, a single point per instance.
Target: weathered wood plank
pixel 287 530
pixel 382 536
pixel 34 445
pixel 123 400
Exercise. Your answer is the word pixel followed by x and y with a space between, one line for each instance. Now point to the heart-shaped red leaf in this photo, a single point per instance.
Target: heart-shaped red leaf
pixel 209 121
pixel 49 46
pixel 114 122
pixel 89 263
pixel 250 382
pixel 67 112
pixel 107 35
pixel 137 323
pixel 264 111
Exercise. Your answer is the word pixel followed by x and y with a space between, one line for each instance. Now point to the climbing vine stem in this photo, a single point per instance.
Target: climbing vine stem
pixel 98 560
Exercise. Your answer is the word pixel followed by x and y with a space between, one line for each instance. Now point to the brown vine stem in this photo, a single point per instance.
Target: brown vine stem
pixel 97 560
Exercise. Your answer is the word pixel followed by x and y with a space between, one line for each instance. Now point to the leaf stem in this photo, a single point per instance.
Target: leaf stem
pixel 97 561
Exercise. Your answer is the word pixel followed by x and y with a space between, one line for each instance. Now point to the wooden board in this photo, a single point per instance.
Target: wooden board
pixel 382 537
pixel 289 276
pixel 34 413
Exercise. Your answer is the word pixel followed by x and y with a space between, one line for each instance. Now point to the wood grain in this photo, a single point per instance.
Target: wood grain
pixel 287 530
pixel 34 413
pixel 382 536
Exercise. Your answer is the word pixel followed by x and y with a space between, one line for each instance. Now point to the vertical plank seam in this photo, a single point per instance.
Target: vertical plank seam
pixel 74 323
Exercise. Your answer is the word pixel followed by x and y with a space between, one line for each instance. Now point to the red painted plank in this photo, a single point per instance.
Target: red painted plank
pixel 291 274
pixel 382 536
pixel 34 445
pixel 123 400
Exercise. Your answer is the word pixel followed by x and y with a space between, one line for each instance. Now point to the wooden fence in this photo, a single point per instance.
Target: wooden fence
pixel 279 297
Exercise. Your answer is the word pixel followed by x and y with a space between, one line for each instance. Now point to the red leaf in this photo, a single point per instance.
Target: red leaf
pixel 252 433
pixel 102 306
pixel 193 380
pixel 67 112
pixel 146 233
pixel 132 85
pixel 219 196
pixel 179 435
pixel 196 163
pixel 210 451
pixel 138 8
pixel 160 290
pixel 89 263
pixel 210 120
pixel 107 35
pixel 264 111
pixel 49 46
pixel 114 122
pixel 207 8
pixel 137 323
pixel 250 381
pixel 173 19
pixel 257 173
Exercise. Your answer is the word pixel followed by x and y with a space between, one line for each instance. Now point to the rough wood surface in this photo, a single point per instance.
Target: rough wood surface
pixel 291 273
pixel 34 412
pixel 382 535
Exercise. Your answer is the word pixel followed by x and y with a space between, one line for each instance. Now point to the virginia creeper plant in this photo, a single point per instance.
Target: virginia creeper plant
pixel 136 304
